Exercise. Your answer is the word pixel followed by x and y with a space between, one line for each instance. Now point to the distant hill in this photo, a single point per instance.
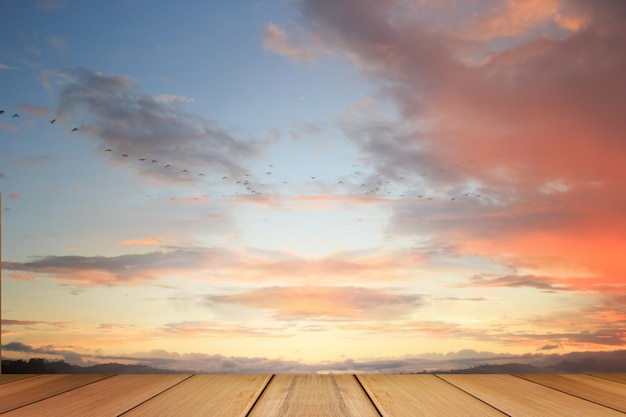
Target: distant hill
pixel 43 366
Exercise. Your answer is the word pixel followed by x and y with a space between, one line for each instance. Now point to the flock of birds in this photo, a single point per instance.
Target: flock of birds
pixel 373 185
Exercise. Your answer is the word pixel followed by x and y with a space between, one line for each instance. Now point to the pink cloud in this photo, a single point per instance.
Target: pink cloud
pixel 33 109
pixel 145 241
pixel 323 302
pixel 275 40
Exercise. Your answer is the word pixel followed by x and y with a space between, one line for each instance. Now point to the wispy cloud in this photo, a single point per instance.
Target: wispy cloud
pixel 199 362
pixel 323 302
pixel 145 241
pixel 276 40
pixel 219 265
pixel 113 110
pixel 33 109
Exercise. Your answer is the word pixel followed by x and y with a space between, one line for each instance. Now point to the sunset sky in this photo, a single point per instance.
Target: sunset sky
pixel 312 185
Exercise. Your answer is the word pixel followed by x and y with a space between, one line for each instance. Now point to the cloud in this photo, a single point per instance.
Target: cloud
pixel 33 109
pixel 87 271
pixel 59 43
pixel 219 265
pixel 541 283
pixel 112 110
pixel 275 40
pixel 519 17
pixel 323 302
pixel 463 359
pixel 146 241
pixel 192 329
pixel 527 128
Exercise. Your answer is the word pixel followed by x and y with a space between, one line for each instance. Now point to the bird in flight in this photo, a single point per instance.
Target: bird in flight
pixel 52 121
pixel 1 111
pixel 125 155
pixel 108 150
pixel 15 115
pixel 75 129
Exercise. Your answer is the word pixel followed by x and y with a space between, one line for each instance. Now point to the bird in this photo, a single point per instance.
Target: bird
pixel 125 155
pixel 201 174
pixel 224 177
pixel 340 182
pixel 167 166
pixel 141 159
pixel 1 111
pixel 154 161
pixel 52 121
pixel 75 129
pixel 313 178
pixel 108 150
pixel 15 115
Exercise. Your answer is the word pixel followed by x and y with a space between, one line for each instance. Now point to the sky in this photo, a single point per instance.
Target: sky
pixel 312 185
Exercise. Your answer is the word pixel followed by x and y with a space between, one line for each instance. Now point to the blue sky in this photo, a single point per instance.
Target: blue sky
pixel 311 182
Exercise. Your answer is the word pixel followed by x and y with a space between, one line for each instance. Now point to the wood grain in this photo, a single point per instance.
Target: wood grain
pixel 613 377
pixel 6 378
pixel 518 397
pixel 206 395
pixel 422 395
pixel 314 396
pixel 108 397
pixel 605 392
pixel 30 390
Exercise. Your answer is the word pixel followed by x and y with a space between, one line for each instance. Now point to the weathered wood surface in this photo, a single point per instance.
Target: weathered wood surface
pixel 108 397
pixel 613 377
pixel 422 395
pixel 206 395
pixel 314 396
pixel 4 378
pixel 598 395
pixel 519 397
pixel 29 390
pixel 603 391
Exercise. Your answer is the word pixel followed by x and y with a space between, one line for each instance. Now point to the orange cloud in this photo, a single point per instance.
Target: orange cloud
pixel 324 302
pixel 275 40
pixel 146 241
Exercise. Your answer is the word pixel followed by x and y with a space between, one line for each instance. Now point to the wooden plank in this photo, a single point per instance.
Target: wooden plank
pixel 422 395
pixel 613 377
pixel 30 390
pixel 518 397
pixel 6 378
pixel 206 395
pixel 108 397
pixel 602 391
pixel 314 396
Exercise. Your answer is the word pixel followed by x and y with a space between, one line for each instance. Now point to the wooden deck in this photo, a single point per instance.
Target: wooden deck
pixel 359 395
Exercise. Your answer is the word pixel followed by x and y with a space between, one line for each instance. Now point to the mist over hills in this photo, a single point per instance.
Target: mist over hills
pixel 576 362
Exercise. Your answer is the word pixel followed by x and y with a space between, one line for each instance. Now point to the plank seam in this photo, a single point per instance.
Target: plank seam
pixel 606 379
pixel 472 395
pixel 58 393
pixel 569 393
pixel 367 394
pixel 20 379
pixel 259 396
pixel 156 395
